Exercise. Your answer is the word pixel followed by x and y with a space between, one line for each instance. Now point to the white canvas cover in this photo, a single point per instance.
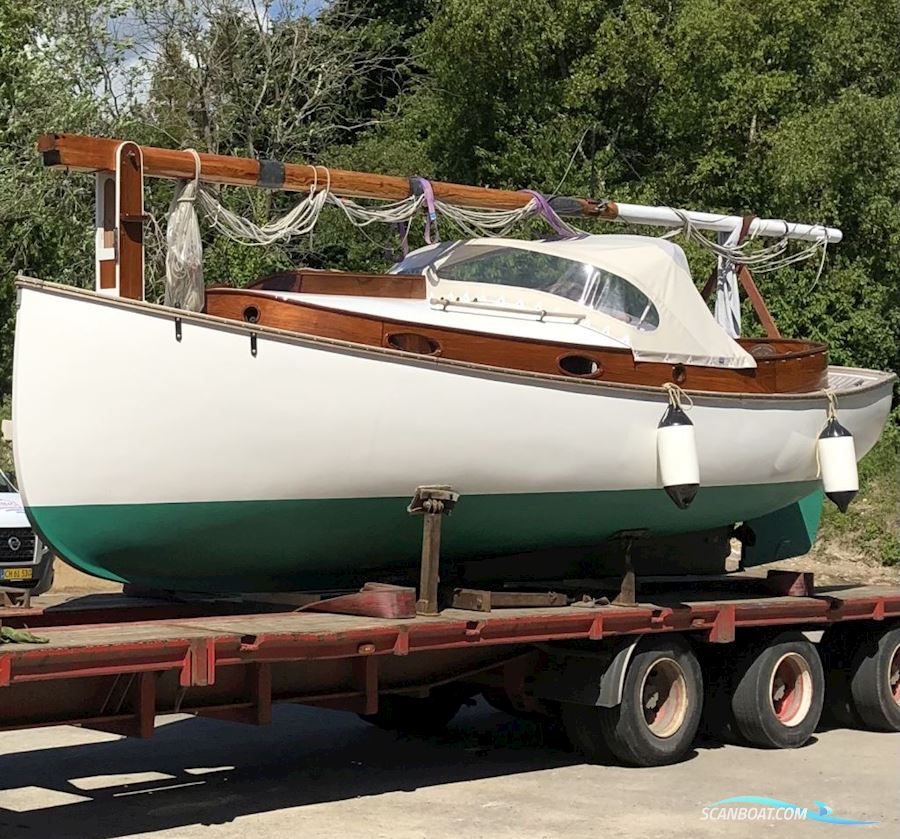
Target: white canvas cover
pixel 687 332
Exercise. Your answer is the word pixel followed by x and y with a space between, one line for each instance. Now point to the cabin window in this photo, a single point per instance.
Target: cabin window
pixel 251 314
pixel 413 342
pixel 580 365
pixel 585 284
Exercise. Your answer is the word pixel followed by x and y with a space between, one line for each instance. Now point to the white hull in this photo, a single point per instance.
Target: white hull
pixel 111 408
pixel 196 464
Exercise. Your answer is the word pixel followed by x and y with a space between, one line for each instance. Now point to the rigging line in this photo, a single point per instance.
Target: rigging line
pixel 578 148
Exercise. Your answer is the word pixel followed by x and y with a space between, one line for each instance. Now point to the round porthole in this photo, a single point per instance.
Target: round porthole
pixel 679 374
pixel 251 314
pixel 580 365
pixel 413 342
pixel 763 351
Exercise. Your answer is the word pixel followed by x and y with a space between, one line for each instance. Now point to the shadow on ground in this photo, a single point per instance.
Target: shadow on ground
pixel 211 772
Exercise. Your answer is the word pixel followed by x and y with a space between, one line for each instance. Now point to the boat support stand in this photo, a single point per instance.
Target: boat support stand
pixel 433 503
pixel 628 590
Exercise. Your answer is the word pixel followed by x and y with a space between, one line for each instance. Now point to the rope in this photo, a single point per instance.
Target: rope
pixel 830 414
pixel 763 260
pixel 677 396
pixel 303 218
pixel 832 405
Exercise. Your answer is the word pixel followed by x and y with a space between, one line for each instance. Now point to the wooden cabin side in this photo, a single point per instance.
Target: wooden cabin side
pixel 783 365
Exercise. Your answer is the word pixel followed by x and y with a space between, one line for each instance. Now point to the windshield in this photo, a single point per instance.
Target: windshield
pixel 6 484
pixel 422 258
pixel 585 284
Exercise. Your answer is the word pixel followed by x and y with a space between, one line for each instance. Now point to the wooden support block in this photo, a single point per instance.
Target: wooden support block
pixel 790 583
pixel 478 600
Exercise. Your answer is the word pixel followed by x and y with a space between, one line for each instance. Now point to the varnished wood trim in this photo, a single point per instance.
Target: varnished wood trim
pixel 800 370
pixel 404 286
pixel 107 273
pixel 131 226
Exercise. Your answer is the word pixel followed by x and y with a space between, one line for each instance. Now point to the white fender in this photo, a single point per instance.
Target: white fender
pixel 837 462
pixel 676 448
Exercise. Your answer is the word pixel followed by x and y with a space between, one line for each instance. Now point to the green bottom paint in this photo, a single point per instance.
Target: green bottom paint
pixel 291 545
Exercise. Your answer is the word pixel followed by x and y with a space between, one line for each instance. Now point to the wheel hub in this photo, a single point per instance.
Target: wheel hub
pixel 664 697
pixel 790 689
pixel 894 675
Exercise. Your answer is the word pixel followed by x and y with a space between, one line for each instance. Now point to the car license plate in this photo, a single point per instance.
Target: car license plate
pixel 15 573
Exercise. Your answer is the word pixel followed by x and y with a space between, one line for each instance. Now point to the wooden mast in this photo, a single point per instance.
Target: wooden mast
pixel 97 154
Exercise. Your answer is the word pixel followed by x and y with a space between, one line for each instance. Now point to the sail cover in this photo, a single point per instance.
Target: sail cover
pixel 682 329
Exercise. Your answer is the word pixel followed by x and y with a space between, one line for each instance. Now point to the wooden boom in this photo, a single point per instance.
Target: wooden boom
pixel 98 154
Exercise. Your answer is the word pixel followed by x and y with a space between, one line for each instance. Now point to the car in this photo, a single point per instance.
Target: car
pixel 25 562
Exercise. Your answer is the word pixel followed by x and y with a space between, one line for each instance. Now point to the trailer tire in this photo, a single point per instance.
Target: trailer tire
pixel 779 692
pixel 875 681
pixel 414 715
pixel 657 719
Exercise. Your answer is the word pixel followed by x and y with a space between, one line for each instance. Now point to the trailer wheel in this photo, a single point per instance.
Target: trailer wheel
pixel 412 715
pixel 657 719
pixel 875 681
pixel 779 693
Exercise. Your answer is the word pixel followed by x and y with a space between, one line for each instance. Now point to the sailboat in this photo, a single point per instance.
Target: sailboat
pixel 570 390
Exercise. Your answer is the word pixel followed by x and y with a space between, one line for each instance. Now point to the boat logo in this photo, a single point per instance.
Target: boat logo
pixel 746 808
pixel 14 543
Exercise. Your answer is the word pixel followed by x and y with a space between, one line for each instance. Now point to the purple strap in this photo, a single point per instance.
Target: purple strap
pixel 391 253
pixel 404 237
pixel 549 214
pixel 424 188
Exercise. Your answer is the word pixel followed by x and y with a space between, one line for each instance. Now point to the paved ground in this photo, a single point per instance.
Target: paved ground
pixel 323 774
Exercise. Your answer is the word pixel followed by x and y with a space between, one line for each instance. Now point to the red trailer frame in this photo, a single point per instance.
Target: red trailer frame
pixel 113 663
